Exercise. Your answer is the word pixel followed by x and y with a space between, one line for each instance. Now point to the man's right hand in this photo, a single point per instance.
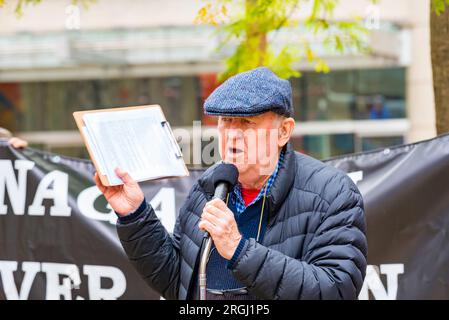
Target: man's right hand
pixel 124 199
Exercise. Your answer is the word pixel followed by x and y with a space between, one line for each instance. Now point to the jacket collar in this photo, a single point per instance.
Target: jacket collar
pixel 283 182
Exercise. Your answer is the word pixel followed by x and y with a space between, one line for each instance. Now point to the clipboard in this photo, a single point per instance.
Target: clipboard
pixel 78 116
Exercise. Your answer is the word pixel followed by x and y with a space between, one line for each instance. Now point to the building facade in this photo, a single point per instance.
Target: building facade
pixel 59 58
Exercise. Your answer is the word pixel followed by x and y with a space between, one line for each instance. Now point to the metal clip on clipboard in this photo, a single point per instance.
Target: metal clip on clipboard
pixel 169 132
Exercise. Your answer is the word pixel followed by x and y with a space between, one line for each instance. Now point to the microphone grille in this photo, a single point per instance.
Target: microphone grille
pixel 225 172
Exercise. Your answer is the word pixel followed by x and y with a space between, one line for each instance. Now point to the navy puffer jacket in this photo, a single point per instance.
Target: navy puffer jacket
pixel 314 245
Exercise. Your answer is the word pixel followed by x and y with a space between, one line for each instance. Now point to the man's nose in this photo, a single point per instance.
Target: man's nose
pixel 234 133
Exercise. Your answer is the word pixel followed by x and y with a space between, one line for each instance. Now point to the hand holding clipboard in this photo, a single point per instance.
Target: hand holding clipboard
pixel 128 145
pixel 138 140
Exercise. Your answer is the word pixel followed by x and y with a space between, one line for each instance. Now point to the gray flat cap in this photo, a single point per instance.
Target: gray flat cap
pixel 251 93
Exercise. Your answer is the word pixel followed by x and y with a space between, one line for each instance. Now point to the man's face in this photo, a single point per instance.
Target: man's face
pixel 250 143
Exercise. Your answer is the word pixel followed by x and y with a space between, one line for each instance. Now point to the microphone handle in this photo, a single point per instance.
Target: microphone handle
pixel 220 192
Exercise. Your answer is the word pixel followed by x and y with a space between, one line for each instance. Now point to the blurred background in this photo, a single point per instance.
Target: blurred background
pixel 58 56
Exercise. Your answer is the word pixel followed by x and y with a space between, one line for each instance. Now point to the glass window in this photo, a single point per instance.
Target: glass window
pixel 49 105
pixel 324 146
pixel 350 94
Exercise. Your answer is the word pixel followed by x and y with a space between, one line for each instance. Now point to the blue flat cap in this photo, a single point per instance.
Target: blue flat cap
pixel 251 93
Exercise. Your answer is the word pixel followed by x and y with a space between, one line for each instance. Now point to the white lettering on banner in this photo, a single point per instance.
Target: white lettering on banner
pixel 85 202
pixel 16 189
pixel 55 289
pixel 59 194
pixel 70 280
pixel 356 176
pixel 54 185
pixel 96 292
pixel 7 269
pixel 374 283
pixel 163 204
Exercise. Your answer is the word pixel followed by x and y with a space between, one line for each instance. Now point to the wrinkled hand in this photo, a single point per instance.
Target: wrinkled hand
pixel 219 221
pixel 124 199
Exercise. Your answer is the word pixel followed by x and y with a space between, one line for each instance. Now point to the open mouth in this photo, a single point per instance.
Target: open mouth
pixel 235 150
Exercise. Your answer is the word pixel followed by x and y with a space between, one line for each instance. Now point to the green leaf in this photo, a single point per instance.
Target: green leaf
pixel 252 24
pixel 439 6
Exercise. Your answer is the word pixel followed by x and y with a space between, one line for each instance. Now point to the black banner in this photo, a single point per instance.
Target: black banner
pixel 58 238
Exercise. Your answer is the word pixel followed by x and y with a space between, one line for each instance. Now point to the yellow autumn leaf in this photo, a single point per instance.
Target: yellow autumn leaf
pixel 224 10
pixel 310 55
pixel 201 13
pixel 322 66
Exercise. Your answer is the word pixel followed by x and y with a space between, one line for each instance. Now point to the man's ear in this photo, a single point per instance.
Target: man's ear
pixel 285 131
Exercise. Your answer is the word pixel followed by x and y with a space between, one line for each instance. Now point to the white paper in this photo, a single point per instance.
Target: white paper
pixel 135 141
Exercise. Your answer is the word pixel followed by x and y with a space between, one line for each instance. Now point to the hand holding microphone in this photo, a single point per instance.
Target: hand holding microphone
pixel 217 219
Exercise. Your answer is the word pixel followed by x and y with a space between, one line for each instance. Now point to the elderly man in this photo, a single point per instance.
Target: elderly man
pixel 293 227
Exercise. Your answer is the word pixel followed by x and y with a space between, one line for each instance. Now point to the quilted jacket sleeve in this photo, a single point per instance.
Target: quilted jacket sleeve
pixel 333 267
pixel 153 251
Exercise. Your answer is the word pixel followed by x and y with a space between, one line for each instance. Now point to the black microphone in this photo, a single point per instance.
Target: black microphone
pixel 224 178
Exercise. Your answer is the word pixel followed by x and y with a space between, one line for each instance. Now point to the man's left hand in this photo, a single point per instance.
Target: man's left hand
pixel 219 221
